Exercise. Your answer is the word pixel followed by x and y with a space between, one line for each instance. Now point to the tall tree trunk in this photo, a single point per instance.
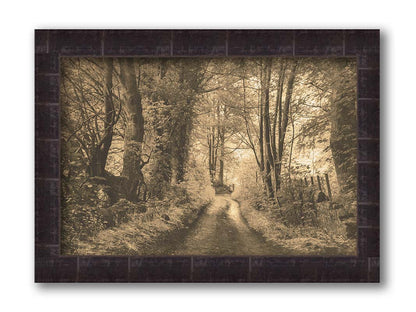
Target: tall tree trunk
pixel 265 88
pixel 99 152
pixel 284 120
pixel 189 81
pixel 247 126
pixel 277 122
pixel 289 167
pixel 261 139
pixel 277 118
pixel 222 155
pixel 109 110
pixel 162 170
pixel 213 147
pixel 211 152
pixel 134 132
pixel 183 134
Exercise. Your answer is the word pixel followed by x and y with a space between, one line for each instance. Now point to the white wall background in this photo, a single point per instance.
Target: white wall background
pixel 397 22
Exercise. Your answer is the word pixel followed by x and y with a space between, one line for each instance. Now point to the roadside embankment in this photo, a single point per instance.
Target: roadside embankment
pixel 302 240
pixel 138 236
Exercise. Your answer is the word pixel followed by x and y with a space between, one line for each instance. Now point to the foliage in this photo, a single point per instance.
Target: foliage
pixel 79 222
pixel 139 231
pixel 326 239
pixel 145 141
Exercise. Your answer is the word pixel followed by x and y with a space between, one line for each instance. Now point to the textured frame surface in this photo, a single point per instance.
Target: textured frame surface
pixel 51 44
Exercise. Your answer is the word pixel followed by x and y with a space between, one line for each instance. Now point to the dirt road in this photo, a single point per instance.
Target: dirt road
pixel 221 230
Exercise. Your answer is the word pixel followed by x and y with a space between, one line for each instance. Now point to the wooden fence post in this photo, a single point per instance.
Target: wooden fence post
pixel 319 183
pixel 329 187
pixel 300 191
pixel 312 180
pixel 306 181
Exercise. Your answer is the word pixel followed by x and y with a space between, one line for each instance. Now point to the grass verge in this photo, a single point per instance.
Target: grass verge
pixel 302 240
pixel 144 233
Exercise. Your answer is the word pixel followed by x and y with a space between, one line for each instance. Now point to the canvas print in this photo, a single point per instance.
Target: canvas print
pixel 200 156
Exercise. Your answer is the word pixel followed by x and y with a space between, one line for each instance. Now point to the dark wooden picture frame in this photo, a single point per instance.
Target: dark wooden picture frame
pixel 50 266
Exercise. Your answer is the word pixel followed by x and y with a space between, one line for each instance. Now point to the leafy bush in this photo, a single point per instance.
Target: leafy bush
pixel 79 222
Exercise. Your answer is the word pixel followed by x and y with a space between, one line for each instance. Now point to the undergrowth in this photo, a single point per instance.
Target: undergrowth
pixel 305 228
pixel 134 232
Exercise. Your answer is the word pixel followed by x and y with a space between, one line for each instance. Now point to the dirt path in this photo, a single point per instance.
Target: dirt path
pixel 221 230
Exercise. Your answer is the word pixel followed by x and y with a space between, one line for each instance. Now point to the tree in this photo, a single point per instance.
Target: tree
pixel 161 110
pixel 90 119
pixel 134 132
pixel 268 151
pixel 213 135
pixel 171 91
pixel 99 159
pixel 333 83
pixel 191 82
pixel 265 105
pixel 283 122
pixel 343 120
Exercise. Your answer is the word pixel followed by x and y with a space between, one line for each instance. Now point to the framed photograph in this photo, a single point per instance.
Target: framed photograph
pixel 207 156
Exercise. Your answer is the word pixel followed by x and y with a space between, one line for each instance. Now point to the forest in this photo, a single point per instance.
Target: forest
pixel 216 156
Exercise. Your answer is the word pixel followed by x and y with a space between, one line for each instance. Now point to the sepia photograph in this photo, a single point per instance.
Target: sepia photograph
pixel 208 156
